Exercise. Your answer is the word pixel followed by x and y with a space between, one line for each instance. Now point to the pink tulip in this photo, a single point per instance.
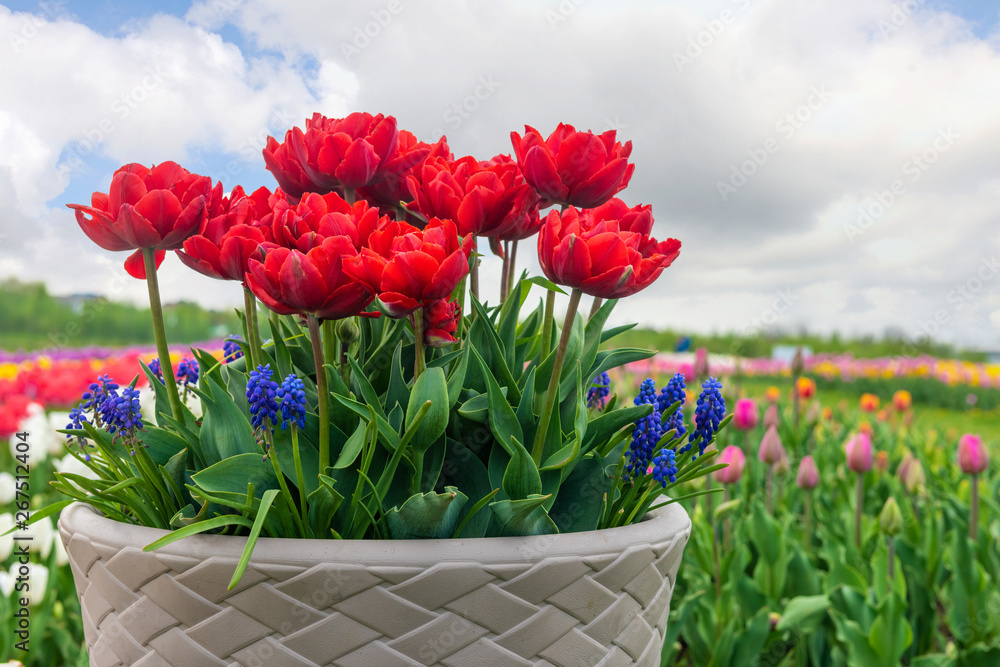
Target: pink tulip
pixel 859 453
pixel 745 414
pixel 770 447
pixel 808 477
pixel 733 456
pixel 973 457
pixel 771 416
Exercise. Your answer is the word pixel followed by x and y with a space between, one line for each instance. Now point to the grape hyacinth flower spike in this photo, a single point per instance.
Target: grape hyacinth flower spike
pixel 709 412
pixel 261 392
pixel 126 419
pixel 645 435
pixel 670 394
pixel 77 417
pixel 599 391
pixel 155 369
pixel 231 350
pixel 293 402
pixel 665 467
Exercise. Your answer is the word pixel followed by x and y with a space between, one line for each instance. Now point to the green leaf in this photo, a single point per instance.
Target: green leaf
pixel 426 516
pixel 352 447
pixel 387 434
pixel 804 614
pixel 456 379
pixel 503 421
pixel 546 283
pixel 323 504
pixel 521 478
pixel 258 523
pixel 231 475
pixel 366 389
pixel 398 392
pixel 476 408
pixel 523 517
pixel 600 429
pixel 592 336
pixel 753 639
pixel 200 527
pixel 469 475
pixel 578 505
pixel 225 431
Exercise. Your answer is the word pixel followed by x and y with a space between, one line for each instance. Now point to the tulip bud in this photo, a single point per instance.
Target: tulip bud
pixel 869 402
pixel 745 414
pixel 915 481
pixel 891 519
pixel 774 618
pixel 882 461
pixel 814 413
pixel 904 466
pixel 827 413
pixel 772 394
pixel 859 453
pixel 902 400
pixel 806 388
pixel 973 458
pixel 347 332
pixel 770 447
pixel 733 456
pixel 865 427
pixel 808 477
pixel 771 416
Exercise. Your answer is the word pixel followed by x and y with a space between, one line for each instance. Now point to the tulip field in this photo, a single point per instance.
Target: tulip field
pixel 857 522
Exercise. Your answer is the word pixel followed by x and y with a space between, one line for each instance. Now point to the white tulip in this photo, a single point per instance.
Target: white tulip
pixel 62 558
pixel 6 585
pixel 7 490
pixel 42 534
pixel 37 580
pixel 57 441
pixel 71 464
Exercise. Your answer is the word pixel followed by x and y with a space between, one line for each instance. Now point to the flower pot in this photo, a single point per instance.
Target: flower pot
pixel 592 598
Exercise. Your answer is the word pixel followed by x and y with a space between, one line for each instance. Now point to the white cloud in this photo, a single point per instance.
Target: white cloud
pixel 853 97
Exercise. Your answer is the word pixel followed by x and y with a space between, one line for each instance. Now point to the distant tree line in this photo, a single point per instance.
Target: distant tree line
pixel 31 318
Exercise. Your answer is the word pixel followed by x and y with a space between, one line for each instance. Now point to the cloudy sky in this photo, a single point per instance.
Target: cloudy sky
pixel 830 164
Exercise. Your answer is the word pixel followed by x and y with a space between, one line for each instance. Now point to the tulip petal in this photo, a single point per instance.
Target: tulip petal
pixel 579 156
pixel 98 228
pixel 447 277
pixel 302 285
pixel 409 273
pixel 135 229
pixel 398 305
pixel 540 171
pixel 161 208
pixel 201 255
pixel 596 190
pixel 135 265
pixel 235 254
pixel 126 188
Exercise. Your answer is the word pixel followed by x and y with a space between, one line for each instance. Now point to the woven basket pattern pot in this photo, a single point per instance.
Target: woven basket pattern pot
pixel 595 598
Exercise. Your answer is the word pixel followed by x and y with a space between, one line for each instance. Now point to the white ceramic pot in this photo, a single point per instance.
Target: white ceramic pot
pixel 593 598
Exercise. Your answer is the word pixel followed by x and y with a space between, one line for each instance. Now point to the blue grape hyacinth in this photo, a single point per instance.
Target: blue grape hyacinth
pixel 293 401
pixel 600 389
pixel 77 418
pixel 709 412
pixel 665 467
pixel 645 435
pixel 126 419
pixel 261 392
pixel 670 394
pixel 100 399
pixel 156 369
pixel 232 350
pixel 187 371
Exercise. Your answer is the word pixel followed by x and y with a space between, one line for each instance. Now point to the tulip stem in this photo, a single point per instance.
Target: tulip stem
pixel 598 302
pixel 726 526
pixel 892 557
pixel 273 455
pixel 547 323
pixel 858 506
pixel 769 494
pixel 504 271
pixel 974 509
pixel 511 267
pixel 715 559
pixel 329 333
pixel 324 393
pixel 552 393
pixel 474 278
pixel 349 196
pixel 807 533
pixel 419 363
pixel 159 334
pixel 250 308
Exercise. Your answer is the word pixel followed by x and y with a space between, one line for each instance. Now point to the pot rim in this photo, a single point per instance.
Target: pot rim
pixel 84 520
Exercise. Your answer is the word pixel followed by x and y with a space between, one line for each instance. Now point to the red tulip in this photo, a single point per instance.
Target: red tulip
pixel 598 256
pixel 290 281
pixel 393 188
pixel 525 227
pixel 233 232
pixel 577 168
pixel 338 154
pixel 156 207
pixel 298 225
pixel 441 322
pixel 483 198
pixel 409 268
